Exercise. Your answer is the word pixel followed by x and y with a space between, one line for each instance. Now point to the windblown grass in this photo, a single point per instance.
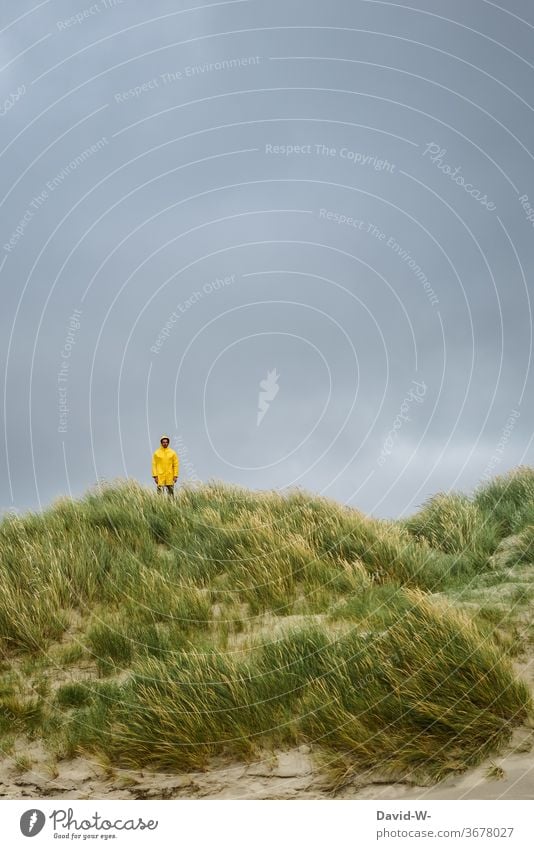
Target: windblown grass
pixel 127 550
pixel 508 501
pixel 426 696
pixel 456 525
pixel 170 609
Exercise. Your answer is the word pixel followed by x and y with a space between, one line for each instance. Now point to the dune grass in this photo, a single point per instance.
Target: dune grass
pixel 159 633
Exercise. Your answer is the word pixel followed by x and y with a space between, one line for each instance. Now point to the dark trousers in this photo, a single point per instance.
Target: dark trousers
pixel 169 487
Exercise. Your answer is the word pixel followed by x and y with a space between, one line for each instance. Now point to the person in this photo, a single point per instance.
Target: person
pixel 165 467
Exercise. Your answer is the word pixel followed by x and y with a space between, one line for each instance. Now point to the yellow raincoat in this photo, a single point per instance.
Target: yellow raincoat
pixel 165 464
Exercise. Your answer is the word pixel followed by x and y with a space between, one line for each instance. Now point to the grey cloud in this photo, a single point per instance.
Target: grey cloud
pixel 131 232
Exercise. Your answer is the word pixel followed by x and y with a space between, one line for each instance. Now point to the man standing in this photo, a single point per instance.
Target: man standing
pixel 165 467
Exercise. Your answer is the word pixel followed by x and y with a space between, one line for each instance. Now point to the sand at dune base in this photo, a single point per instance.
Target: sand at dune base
pixel 292 774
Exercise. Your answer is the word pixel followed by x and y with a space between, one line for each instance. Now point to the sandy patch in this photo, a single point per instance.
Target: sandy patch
pixel 283 775
pixel 294 774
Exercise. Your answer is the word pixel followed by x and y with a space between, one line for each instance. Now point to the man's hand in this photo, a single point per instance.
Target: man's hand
pixel 176 478
pixel 155 478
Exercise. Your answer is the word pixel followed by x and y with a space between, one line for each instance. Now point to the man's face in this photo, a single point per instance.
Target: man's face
pixel 165 443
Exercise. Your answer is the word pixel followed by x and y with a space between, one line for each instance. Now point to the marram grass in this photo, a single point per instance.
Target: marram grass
pixel 228 622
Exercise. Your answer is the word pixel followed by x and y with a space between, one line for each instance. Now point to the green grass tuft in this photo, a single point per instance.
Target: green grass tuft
pixel 226 622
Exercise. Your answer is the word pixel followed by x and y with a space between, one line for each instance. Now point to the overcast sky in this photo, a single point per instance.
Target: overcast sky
pixel 296 237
